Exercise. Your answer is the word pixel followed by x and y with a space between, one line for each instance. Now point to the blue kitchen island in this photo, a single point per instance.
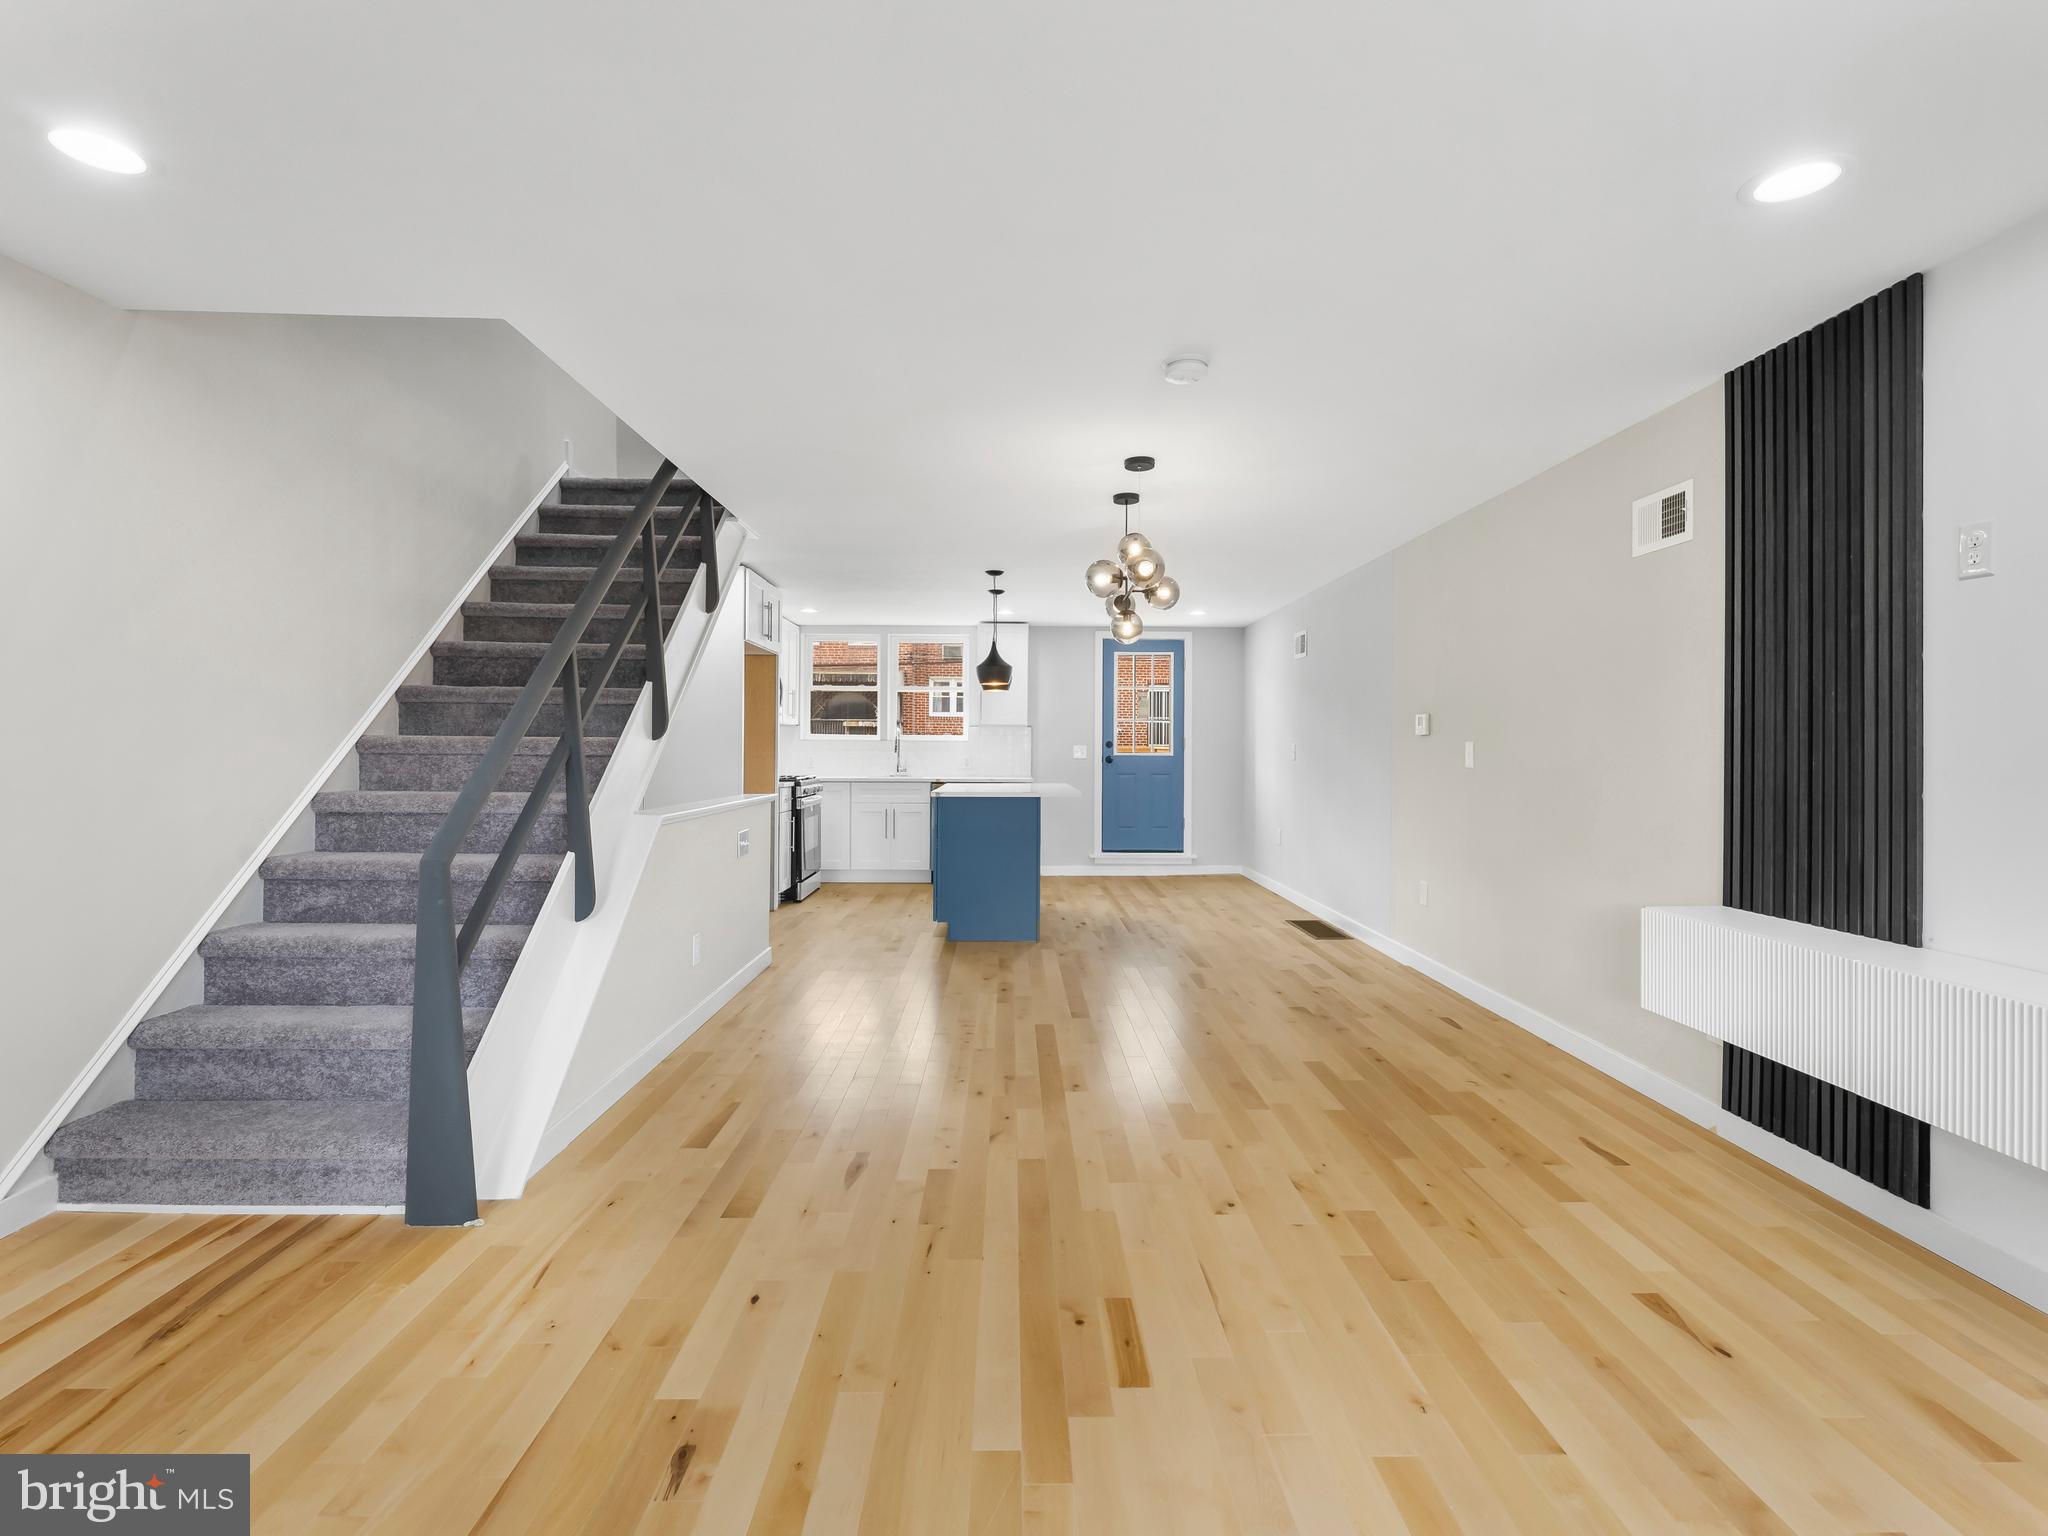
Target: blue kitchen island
pixel 985 858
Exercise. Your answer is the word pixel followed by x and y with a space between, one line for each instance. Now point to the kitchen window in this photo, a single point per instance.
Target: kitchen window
pixel 842 685
pixel 930 676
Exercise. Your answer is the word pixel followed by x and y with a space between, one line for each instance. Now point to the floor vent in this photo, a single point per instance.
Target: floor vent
pixel 1316 928
pixel 1854 1133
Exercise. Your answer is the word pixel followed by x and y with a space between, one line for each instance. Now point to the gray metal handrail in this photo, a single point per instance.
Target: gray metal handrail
pixel 440 1156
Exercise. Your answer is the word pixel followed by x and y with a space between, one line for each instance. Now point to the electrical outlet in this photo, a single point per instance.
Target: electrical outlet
pixel 746 843
pixel 696 949
pixel 1973 551
pixel 1468 754
pixel 1080 754
pixel 1422 893
pixel 1422 725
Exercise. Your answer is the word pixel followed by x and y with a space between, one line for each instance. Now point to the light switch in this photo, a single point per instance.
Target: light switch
pixel 1973 551
pixel 1294 751
pixel 1080 754
pixel 1422 725
pixel 1468 754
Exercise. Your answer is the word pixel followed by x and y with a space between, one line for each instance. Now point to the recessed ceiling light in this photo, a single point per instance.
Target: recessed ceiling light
pixel 807 610
pixel 1006 613
pixel 1198 613
pixel 1185 370
pixel 1794 181
pixel 98 151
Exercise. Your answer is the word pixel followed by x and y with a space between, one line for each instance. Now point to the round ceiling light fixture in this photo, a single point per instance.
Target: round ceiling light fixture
pixel 97 151
pixel 1794 182
pixel 1186 370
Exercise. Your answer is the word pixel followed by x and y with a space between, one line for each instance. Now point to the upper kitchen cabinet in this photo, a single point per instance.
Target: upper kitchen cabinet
pixel 1012 706
pixel 788 688
pixel 763 614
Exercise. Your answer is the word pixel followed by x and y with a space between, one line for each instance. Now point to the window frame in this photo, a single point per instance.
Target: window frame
pixel 812 639
pixel 1154 719
pixel 896 640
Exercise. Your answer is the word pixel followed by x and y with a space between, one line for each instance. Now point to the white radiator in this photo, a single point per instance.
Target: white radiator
pixel 1959 1043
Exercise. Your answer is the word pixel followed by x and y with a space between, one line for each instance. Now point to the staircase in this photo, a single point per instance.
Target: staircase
pixel 287 1085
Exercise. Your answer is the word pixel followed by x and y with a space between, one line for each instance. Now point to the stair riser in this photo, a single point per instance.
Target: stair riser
pixel 405 832
pixel 225 1181
pixel 462 717
pixel 451 770
pixel 388 901
pixel 320 1076
pixel 605 520
pixel 564 584
pixel 334 981
pixel 472 671
pixel 570 494
pixel 541 629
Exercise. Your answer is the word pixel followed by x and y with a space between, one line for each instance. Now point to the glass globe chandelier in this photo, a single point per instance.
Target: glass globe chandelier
pixel 1137 569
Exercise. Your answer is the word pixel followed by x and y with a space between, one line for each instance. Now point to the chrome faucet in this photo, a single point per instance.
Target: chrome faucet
pixel 899 751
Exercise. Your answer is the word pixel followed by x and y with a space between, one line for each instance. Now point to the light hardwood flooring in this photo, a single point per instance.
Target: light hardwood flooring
pixel 1177 1222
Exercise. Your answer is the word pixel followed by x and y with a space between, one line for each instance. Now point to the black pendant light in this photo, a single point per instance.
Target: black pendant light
pixel 994 673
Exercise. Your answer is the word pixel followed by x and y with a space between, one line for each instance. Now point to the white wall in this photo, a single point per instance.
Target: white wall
pixel 229 532
pixel 1986 667
pixel 703 757
pixel 1320 787
pixel 1066 663
pixel 1589 683
pixel 697 883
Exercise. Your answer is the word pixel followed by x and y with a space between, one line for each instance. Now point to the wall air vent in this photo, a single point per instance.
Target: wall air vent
pixel 1300 644
pixel 1659 521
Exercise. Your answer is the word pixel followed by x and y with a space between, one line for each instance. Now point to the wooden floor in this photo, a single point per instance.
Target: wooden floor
pixel 1176 1222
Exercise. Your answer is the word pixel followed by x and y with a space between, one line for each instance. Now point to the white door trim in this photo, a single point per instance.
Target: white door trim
pixel 1186 746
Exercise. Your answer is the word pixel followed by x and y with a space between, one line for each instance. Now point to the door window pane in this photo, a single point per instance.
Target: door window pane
pixel 1144 703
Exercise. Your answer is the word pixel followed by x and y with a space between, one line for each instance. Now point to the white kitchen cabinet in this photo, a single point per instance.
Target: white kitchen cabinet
pixel 835 827
pixel 890 827
pixel 788 683
pixel 763 628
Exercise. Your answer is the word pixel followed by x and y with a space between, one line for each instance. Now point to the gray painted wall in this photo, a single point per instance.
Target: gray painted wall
pixel 1319 758
pixel 1064 664
pixel 238 528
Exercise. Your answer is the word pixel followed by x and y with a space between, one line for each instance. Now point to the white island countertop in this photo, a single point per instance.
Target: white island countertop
pixel 1034 789
pixel 913 778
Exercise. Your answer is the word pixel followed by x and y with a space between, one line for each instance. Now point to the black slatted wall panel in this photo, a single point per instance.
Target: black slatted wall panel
pixel 1823 740
pixel 1822 816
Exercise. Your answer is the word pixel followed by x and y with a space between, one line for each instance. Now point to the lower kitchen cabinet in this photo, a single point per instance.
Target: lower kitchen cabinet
pixel 835 841
pixel 877 828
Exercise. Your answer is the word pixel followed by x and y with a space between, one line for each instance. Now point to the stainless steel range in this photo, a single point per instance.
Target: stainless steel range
pixel 806 809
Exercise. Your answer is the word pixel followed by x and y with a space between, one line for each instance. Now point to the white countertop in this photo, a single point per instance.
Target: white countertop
pixel 1022 789
pixel 916 778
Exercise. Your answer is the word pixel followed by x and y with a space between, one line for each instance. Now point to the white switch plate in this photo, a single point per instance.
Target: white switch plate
pixel 1422 725
pixel 1294 751
pixel 696 949
pixel 1081 754
pixel 1468 754
pixel 1973 551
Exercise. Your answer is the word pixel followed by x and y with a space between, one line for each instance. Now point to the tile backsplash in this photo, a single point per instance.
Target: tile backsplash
pixel 991 751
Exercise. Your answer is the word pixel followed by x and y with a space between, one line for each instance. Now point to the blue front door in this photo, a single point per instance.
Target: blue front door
pixel 1144 746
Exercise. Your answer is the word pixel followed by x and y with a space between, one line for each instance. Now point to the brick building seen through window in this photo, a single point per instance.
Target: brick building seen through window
pixel 929 674
pixel 1144 703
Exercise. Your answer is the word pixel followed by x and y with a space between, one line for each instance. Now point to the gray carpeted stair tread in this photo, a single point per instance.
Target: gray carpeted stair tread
pixel 510 663
pixel 387 763
pixel 565 583
pixel 614 490
pixel 284 941
pixel 531 651
pixel 539 622
pixel 536 746
pixel 236 1130
pixel 445 709
pixel 504 697
pixel 400 866
pixel 212 1027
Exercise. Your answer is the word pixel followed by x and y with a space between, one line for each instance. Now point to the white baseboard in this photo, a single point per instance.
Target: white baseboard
pixel 1143 871
pixel 874 877
pixel 2011 1274
pixel 189 945
pixel 614 1088
pixel 35 1199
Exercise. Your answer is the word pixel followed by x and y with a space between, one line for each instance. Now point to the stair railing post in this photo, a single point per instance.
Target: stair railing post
pixel 440 1164
pixel 578 792
pixel 709 509
pixel 650 627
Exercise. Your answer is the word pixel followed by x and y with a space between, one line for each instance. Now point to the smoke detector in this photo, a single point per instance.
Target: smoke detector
pixel 1186 370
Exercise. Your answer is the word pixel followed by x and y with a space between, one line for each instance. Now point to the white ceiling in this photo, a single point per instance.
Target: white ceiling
pixel 896 280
